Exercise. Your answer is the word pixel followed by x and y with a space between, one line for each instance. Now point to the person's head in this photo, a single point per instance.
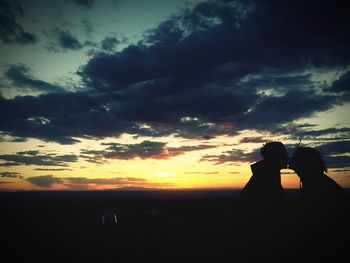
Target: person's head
pixel 275 154
pixel 306 161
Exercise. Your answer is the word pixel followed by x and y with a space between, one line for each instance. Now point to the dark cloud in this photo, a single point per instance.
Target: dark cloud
pixel 173 151
pixel 271 110
pixel 278 82
pixel 334 148
pixel 67 41
pixel 189 127
pixel 109 43
pixel 342 84
pixel 18 140
pixel 237 156
pixel 185 71
pixel 337 161
pixel 20 77
pixel 336 133
pixel 85 3
pixel 206 105
pixel 28 158
pixel 252 140
pixel 57 117
pixel 216 69
pixel 44 180
pixel 193 44
pixel 307 133
pixel 9 164
pixel 64 40
pixel 11 32
pixel 93 156
pixel 232 157
pixel 143 150
pixel 53 169
pixel 33 153
pixel 10 175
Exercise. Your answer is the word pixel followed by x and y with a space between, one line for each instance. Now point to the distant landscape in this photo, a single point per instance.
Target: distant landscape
pixel 157 226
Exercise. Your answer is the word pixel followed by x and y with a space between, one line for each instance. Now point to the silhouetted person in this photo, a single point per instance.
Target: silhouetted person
pixel 265 184
pixel 321 215
pixel 310 167
pixel 262 205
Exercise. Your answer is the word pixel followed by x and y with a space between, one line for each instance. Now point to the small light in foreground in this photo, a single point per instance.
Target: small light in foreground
pixel 109 217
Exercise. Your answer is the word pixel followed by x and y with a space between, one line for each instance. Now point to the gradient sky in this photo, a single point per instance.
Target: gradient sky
pixel 168 94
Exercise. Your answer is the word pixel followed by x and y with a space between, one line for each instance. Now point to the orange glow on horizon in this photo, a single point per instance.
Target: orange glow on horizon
pixel 180 171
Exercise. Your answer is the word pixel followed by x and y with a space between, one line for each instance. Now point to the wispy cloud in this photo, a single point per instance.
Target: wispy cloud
pixel 10 175
pixel 20 77
pixel 34 158
pixel 144 150
pixel 11 31
pixel 232 157
pixel 47 181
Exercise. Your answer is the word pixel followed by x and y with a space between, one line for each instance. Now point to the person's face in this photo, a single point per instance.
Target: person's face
pixel 283 159
pixel 280 159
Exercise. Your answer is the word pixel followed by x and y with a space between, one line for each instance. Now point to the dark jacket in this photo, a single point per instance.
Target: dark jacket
pixel 264 185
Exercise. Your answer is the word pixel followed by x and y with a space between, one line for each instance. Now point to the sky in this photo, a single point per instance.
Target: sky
pixel 133 94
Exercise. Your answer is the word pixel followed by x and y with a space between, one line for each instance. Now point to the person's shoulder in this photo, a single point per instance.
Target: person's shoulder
pixel 332 182
pixel 332 187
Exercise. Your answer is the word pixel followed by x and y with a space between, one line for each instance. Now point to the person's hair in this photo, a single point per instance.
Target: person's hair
pixel 309 156
pixel 271 149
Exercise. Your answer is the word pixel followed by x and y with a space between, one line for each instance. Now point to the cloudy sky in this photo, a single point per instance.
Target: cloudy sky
pixel 168 94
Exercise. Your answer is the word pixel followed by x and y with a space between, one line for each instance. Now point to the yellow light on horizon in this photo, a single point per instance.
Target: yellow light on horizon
pixel 164 174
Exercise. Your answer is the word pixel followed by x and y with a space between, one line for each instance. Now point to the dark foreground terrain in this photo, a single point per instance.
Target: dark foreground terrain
pixel 165 226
